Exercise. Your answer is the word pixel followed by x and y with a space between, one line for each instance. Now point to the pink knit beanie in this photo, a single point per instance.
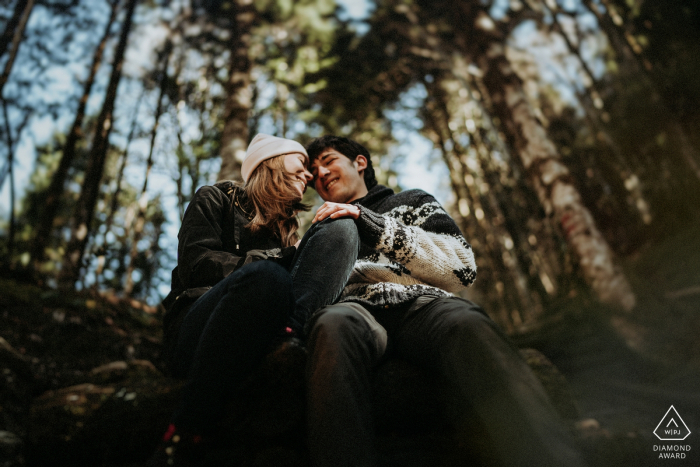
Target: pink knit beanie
pixel 265 147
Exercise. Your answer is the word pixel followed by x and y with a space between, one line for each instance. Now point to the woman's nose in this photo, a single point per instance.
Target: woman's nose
pixel 308 176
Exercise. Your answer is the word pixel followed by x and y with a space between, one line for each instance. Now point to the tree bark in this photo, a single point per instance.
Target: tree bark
pixel 114 205
pixel 16 41
pixel 626 48
pixel 11 172
pixel 143 198
pixel 551 178
pixel 85 207
pixel 9 32
pixel 235 137
pixel 54 192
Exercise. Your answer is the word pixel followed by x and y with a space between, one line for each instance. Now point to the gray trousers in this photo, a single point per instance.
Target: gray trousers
pixel 481 371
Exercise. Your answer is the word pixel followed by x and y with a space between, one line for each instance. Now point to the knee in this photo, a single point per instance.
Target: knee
pixel 263 286
pixel 474 318
pixel 341 231
pixel 340 339
pixel 336 325
pixel 265 276
pixel 469 322
pixel 343 226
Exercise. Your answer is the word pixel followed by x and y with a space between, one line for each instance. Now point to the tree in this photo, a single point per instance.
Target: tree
pixel 234 136
pixel 116 194
pixel 56 188
pixel 408 40
pixel 85 207
pixel 140 220
pixel 550 177
pixel 17 28
pixel 649 44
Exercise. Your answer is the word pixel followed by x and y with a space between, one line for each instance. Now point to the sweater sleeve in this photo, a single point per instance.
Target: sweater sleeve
pixel 201 258
pixel 422 238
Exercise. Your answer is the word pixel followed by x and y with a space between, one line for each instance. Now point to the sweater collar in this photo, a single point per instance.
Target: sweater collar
pixel 374 195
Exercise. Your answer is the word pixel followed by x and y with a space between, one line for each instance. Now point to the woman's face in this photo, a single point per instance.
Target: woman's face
pixel 296 165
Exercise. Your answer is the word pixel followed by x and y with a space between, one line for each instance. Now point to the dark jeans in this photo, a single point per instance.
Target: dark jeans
pixel 227 331
pixel 481 371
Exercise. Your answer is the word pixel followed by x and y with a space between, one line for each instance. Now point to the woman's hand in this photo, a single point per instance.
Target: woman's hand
pixel 336 210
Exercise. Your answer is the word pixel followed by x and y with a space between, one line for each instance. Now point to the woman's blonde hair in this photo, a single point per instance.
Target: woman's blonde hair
pixel 275 200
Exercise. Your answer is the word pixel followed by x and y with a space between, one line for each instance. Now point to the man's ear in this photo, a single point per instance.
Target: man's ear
pixel 360 162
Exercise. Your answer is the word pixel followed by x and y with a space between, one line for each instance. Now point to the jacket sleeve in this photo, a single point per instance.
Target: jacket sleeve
pixel 424 240
pixel 201 258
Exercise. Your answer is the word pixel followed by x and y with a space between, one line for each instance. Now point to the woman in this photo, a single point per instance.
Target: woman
pixel 241 283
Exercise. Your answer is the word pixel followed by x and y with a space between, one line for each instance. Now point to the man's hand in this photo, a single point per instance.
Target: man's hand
pixel 336 210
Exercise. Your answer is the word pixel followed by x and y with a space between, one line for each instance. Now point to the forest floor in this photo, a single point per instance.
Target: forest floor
pixel 624 370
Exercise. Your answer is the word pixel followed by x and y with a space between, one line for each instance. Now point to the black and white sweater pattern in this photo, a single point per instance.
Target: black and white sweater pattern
pixel 410 247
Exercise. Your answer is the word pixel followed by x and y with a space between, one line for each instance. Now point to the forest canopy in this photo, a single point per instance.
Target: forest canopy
pixel 568 131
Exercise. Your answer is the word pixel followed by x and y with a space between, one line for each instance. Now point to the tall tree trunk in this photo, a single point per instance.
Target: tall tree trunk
pixel 629 52
pixel 4 172
pixel 16 41
pixel 143 198
pixel 592 105
pixel 85 206
pixel 9 32
pixel 181 159
pixel 8 169
pixel 551 178
pixel 54 192
pixel 509 193
pixel 477 219
pixel 11 172
pixel 234 138
pixel 114 204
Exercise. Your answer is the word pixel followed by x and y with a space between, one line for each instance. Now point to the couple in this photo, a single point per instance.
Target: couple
pixel 374 275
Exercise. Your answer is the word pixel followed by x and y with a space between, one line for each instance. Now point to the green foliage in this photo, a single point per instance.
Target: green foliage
pixel 653 107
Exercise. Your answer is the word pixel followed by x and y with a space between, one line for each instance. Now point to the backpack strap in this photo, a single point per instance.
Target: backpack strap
pixel 233 192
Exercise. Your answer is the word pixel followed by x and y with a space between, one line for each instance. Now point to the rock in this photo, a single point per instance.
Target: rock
pixel 13 360
pixel 119 420
pixel 17 385
pixel 265 423
pixel 119 413
pixel 10 446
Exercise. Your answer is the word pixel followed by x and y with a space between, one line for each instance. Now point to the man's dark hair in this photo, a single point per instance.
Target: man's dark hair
pixel 347 147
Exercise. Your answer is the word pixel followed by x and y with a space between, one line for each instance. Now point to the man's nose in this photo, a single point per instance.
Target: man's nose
pixel 322 172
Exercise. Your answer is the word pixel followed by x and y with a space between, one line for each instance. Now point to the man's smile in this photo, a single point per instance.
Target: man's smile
pixel 329 183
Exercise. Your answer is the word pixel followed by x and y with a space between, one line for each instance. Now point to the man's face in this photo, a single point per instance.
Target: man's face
pixel 337 178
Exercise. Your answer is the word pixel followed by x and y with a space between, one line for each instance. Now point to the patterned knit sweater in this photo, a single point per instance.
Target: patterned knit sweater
pixel 410 247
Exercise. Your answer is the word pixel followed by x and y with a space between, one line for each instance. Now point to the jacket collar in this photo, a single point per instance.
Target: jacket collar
pixel 238 197
pixel 374 195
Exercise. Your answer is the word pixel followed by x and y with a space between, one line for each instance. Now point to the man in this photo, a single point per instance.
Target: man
pixel 398 299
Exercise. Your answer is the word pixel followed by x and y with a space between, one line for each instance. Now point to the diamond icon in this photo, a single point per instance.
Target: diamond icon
pixel 672 427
